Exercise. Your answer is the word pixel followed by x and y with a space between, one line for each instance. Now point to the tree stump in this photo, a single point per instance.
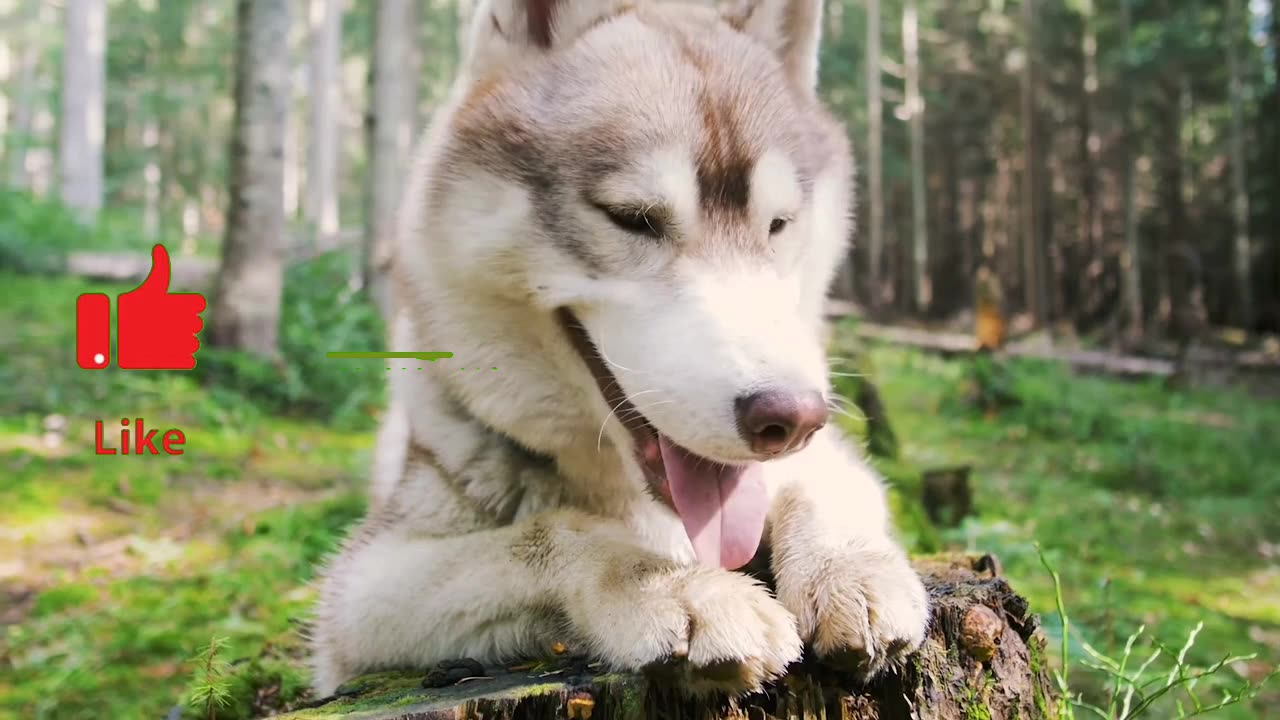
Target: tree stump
pixel 984 658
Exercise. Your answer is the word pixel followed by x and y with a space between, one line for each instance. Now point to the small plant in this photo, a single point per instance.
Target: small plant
pixel 1133 692
pixel 211 689
pixel 992 386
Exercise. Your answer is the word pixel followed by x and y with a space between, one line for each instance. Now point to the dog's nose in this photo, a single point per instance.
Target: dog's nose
pixel 774 421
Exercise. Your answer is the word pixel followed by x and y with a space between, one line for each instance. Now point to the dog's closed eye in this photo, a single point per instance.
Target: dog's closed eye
pixel 638 220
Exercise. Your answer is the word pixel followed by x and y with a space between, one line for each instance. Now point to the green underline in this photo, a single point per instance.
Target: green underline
pixel 429 356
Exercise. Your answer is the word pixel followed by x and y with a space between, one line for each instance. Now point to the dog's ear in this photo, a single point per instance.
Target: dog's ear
pixel 504 32
pixel 791 28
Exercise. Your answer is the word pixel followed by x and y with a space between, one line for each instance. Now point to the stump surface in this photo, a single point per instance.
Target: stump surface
pixel 983 660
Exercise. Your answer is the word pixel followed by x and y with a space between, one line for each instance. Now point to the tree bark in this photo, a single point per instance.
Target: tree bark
pixel 1090 231
pixel 84 79
pixel 27 58
pixel 1131 261
pixel 326 108
pixel 389 131
pixel 1239 184
pixel 1032 248
pixel 984 657
pixel 251 278
pixel 923 294
pixel 875 161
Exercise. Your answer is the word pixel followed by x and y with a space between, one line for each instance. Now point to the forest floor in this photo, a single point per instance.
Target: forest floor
pixel 1156 506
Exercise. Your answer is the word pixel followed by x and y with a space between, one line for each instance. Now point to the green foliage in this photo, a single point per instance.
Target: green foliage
pixel 35 234
pixel 1135 692
pixel 168 552
pixel 1160 506
pixel 992 385
pixel 225 540
pixel 320 313
pixel 210 690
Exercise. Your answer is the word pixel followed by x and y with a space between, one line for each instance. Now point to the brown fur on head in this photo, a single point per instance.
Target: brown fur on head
pixel 664 167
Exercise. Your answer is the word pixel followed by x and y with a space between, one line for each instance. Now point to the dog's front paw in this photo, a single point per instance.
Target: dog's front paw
pixel 713 629
pixel 860 608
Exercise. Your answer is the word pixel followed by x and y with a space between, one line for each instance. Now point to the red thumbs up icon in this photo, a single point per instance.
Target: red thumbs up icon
pixel 156 330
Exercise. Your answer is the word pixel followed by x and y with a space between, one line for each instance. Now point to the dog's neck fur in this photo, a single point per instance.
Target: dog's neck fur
pixel 538 400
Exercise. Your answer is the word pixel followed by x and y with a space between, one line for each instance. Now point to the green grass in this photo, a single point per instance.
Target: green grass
pixel 115 570
pixel 1157 507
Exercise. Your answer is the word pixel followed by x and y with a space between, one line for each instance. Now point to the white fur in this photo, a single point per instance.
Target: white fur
pixel 508 510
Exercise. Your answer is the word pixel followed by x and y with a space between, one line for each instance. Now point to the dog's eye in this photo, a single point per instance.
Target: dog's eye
pixel 778 224
pixel 634 220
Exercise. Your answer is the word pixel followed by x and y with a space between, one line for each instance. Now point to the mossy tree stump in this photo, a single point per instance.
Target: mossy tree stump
pixel 983 661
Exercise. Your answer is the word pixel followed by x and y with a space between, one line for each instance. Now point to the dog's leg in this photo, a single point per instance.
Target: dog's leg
pixel 836 563
pixel 396 599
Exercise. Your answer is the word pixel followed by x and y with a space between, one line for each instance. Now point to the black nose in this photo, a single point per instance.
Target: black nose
pixel 774 421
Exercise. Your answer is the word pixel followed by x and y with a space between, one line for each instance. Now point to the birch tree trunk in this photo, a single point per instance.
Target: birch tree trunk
pixel 296 134
pixel 1239 184
pixel 250 280
pixel 389 133
pixel 915 109
pixel 84 79
pixel 152 176
pixel 875 161
pixel 326 108
pixel 26 57
pixel 6 71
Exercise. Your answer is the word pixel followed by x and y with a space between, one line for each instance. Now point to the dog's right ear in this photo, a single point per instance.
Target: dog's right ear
pixel 505 32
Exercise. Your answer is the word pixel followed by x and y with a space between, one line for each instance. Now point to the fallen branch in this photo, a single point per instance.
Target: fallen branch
pixel 952 344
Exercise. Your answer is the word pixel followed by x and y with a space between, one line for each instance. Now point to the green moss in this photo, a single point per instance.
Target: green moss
pixel 976 700
pixel 1036 651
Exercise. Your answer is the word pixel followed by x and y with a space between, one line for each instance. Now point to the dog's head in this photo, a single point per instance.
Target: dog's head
pixel 662 176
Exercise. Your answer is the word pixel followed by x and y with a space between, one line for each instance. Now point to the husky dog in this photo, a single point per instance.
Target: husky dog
pixel 623 224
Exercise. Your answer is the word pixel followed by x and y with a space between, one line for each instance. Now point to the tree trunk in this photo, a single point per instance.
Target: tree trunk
pixel 1032 248
pixel 390 129
pixel 295 171
pixel 27 57
pixel 875 163
pixel 915 109
pixel 1090 238
pixel 250 281
pixel 84 79
pixel 1268 116
pixel 1131 261
pixel 326 109
pixel 984 658
pixel 1239 184
pixel 12 19
pixel 152 176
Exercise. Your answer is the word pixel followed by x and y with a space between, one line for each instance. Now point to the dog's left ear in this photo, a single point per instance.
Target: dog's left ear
pixel 506 33
pixel 791 28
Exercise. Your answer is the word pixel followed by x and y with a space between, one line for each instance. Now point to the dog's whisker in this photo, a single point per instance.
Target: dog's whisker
pixel 612 410
pixel 841 399
pixel 639 411
pixel 605 356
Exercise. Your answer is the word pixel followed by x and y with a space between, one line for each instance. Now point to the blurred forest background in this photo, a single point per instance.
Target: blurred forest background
pixel 1091 188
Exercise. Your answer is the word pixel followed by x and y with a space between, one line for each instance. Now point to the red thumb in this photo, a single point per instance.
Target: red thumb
pixel 158 279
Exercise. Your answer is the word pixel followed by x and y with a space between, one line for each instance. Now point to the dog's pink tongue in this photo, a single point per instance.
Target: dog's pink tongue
pixel 722 506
